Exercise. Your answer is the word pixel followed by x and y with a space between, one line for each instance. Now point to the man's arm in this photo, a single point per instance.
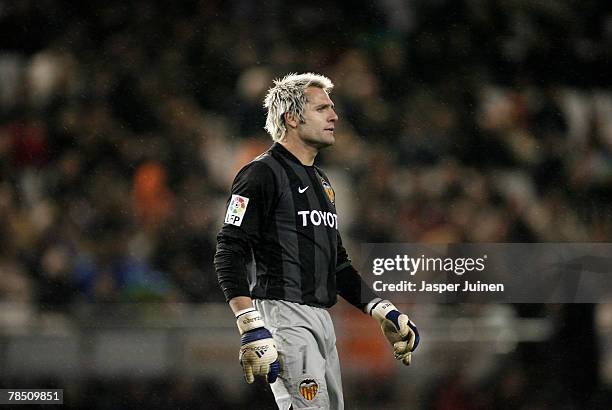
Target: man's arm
pixel 248 208
pixel 349 283
pixel 230 264
pixel 247 211
pixel 397 328
pixel 240 304
pixel 352 287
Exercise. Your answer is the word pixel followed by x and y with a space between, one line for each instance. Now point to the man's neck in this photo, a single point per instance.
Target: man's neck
pixel 305 153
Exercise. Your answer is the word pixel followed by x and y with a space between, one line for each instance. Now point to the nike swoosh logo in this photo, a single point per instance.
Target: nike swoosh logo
pixel 302 190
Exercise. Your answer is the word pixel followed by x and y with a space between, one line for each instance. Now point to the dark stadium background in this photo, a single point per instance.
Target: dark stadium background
pixel 122 125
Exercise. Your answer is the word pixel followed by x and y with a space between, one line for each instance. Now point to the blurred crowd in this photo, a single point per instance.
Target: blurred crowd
pixel 122 126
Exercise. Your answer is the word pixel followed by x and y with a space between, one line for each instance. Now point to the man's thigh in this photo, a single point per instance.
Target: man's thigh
pixel 302 368
pixel 301 348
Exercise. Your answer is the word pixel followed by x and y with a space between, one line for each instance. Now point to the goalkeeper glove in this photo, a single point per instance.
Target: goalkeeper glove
pixel 258 355
pixel 397 328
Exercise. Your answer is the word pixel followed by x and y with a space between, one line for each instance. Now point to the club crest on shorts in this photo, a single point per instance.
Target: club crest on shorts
pixel 308 388
pixel 329 191
pixel 236 210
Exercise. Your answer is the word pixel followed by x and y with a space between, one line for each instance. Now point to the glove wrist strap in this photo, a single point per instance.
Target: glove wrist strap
pixel 248 320
pixel 381 309
pixel 368 308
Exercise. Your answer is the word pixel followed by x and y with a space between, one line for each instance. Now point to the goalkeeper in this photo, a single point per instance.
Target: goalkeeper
pixel 280 259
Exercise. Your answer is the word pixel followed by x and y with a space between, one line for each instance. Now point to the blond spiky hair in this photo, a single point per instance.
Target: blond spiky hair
pixel 287 95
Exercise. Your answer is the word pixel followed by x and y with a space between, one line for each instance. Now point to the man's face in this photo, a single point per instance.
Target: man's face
pixel 319 119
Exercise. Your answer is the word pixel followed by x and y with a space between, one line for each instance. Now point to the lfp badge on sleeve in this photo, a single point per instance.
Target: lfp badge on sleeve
pixel 236 210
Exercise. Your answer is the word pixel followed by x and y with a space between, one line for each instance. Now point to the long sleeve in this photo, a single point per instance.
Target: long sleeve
pixel 349 283
pixel 248 208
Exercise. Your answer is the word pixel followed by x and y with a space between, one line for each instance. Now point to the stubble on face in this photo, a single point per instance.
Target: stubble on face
pixel 317 129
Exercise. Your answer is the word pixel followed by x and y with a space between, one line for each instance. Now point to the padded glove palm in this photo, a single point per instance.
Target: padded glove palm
pixel 398 329
pixel 258 354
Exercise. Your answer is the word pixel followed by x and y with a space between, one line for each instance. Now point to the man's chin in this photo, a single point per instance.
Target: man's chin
pixel 320 144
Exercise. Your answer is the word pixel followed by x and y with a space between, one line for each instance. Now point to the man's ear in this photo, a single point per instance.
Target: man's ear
pixel 290 120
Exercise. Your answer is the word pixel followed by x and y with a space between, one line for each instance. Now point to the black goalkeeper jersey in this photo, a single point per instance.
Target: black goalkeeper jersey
pixel 280 238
